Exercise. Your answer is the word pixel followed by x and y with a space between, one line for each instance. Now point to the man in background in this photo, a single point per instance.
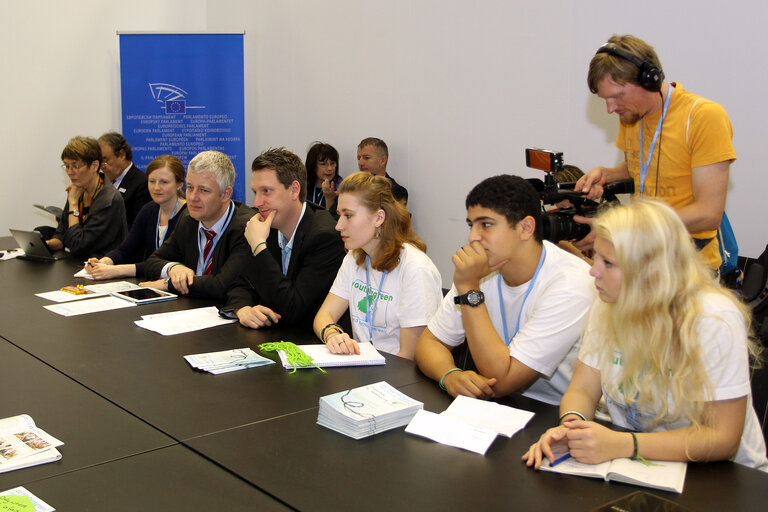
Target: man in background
pixel 128 179
pixel 677 146
pixel 372 156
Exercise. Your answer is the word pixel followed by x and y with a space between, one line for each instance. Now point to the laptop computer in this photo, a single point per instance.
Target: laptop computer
pixel 34 246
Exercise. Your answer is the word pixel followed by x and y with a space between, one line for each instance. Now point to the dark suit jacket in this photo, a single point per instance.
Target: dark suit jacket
pixel 101 231
pixel 315 259
pixel 136 193
pixel 230 255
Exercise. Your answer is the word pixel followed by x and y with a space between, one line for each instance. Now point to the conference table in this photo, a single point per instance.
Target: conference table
pixel 143 430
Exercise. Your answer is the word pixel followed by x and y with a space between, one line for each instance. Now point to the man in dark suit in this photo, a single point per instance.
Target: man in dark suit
pixel 295 248
pixel 372 157
pixel 128 179
pixel 207 250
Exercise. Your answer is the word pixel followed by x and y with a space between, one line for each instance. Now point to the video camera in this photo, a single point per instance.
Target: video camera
pixel 559 224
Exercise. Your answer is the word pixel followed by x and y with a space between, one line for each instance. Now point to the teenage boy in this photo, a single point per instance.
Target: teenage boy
pixel 519 302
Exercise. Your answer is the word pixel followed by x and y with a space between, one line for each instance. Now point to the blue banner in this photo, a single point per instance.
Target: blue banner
pixel 183 94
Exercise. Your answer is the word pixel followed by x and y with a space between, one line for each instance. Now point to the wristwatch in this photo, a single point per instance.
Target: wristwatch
pixel 167 283
pixel 76 213
pixel 472 298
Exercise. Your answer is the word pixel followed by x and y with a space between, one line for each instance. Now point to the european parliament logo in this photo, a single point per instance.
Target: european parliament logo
pixel 172 97
pixel 176 107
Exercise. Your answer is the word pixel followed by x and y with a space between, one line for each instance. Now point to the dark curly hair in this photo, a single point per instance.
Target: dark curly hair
pixel 510 196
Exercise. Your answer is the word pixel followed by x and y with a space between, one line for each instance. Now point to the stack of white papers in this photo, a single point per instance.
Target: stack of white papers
pixel 227 360
pixel 367 410
pixel 179 322
pixel 19 498
pixel 469 424
pixel 22 444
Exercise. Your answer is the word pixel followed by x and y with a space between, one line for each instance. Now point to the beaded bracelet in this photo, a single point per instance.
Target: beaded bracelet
pixel 577 413
pixel 442 386
pixel 257 247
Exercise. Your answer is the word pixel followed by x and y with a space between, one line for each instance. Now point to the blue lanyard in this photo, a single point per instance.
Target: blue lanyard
pixel 370 311
pixel 321 200
pixel 158 240
pixel 200 246
pixel 507 338
pixel 644 168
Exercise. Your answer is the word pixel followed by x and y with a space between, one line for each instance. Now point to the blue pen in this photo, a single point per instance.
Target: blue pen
pixel 559 460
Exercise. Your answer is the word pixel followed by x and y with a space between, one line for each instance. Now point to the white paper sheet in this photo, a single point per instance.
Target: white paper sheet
pixel 178 322
pixel 81 307
pixel 451 432
pixel 502 419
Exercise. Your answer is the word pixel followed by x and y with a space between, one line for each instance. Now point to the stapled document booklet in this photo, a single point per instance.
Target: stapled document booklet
pixel 22 444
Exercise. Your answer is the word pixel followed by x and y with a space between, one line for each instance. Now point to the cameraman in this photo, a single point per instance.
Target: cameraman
pixel 691 174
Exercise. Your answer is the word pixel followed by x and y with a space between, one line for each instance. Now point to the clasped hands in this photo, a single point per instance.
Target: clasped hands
pixel 586 441
pixel 181 278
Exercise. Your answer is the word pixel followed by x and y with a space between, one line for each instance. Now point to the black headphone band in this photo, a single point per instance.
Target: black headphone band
pixel 649 75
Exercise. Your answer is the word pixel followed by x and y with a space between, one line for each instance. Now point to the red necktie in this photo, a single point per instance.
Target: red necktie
pixel 209 236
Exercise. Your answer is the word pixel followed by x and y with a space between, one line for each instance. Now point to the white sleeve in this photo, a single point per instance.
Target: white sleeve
pixel 553 327
pixel 420 295
pixel 446 324
pixel 341 286
pixel 723 339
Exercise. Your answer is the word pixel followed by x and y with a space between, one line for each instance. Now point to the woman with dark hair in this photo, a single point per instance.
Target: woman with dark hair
pixel 323 175
pixel 93 220
pixel 386 280
pixel 666 346
pixel 154 223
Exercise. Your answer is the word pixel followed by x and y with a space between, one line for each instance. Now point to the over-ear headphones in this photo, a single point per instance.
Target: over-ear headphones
pixel 649 76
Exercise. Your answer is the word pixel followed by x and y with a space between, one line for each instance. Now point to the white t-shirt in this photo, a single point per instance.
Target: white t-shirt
pixel 409 296
pixel 550 320
pixel 723 341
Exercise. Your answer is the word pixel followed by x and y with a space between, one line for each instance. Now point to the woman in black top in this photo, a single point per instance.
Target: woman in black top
pixel 323 176
pixel 154 223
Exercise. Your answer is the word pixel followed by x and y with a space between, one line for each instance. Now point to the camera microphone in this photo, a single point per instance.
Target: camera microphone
pixel 625 186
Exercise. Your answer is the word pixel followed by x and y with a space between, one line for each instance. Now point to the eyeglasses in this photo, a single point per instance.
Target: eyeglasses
pixel 75 166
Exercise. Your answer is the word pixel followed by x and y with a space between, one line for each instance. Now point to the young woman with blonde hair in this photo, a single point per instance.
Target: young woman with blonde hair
pixel 389 284
pixel 665 345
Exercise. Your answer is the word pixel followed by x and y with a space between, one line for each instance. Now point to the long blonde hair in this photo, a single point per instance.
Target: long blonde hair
pixel 654 321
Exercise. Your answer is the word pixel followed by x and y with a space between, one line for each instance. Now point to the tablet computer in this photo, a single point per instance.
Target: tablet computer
pixel 145 295
pixel 34 247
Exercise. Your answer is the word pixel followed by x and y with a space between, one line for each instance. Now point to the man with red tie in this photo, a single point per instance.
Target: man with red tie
pixel 207 250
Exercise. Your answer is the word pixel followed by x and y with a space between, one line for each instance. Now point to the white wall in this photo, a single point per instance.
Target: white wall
pixel 61 78
pixel 457 89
